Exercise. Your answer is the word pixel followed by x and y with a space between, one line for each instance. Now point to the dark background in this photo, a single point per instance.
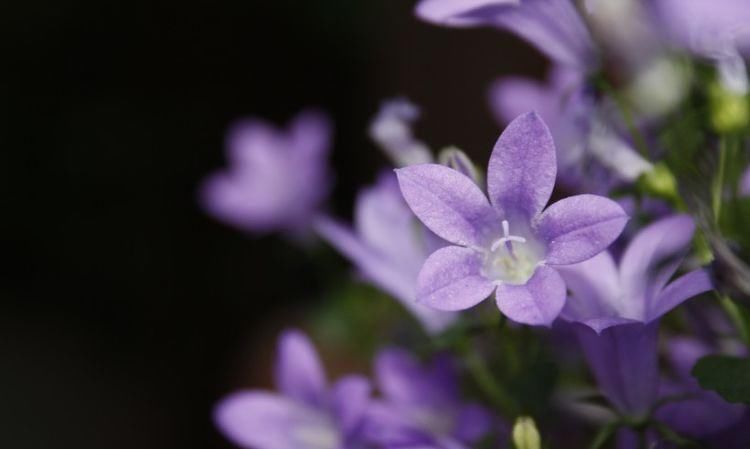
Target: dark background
pixel 124 311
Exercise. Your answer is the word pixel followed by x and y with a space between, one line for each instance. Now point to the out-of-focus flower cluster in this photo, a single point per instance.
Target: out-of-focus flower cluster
pixel 641 133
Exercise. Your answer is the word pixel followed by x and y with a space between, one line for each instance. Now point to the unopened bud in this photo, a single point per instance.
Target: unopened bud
pixel 659 181
pixel 459 161
pixel 525 434
pixel 730 111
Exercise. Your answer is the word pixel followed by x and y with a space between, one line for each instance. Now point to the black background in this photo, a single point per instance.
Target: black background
pixel 125 312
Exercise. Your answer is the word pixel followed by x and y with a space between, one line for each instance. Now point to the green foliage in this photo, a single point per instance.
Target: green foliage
pixel 728 376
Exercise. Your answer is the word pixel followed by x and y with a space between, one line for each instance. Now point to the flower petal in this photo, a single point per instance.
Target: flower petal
pixel 595 284
pixel 458 12
pixel 624 361
pixel 538 302
pixel 450 280
pixel 522 169
pixel 663 239
pixel 679 290
pixel 383 272
pixel 447 202
pixel 579 227
pixel 261 420
pixel 351 397
pixel 299 373
pixel 405 382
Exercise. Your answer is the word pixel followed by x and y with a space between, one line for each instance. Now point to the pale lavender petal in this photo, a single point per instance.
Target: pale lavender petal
pixel 662 239
pixel 310 133
pixel 298 371
pixel 260 420
pixel 679 290
pixel 579 227
pixel 522 168
pixel 513 96
pixel 538 302
pixel 624 361
pixel 391 129
pixel 451 280
pixel 457 12
pixel 383 272
pixel 595 285
pixel 351 397
pixel 448 203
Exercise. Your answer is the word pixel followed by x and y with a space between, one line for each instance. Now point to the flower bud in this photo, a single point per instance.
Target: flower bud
pixel 459 161
pixel 730 111
pixel 525 434
pixel 659 181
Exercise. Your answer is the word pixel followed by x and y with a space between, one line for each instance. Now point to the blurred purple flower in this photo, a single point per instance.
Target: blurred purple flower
pixel 306 414
pixel 718 30
pixel 554 27
pixel 700 413
pixel 422 405
pixel 745 183
pixel 589 151
pixel 388 246
pixel 507 245
pixel 618 309
pixel 391 130
pixel 276 179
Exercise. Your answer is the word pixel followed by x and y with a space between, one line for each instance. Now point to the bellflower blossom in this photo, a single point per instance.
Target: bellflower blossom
pixel 718 30
pixel 391 130
pixel 588 150
pixel 276 179
pixel 422 405
pixel 305 414
pixel 554 27
pixel 508 245
pixel 388 246
pixel 618 309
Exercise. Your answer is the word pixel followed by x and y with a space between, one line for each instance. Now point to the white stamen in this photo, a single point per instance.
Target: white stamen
pixel 506 237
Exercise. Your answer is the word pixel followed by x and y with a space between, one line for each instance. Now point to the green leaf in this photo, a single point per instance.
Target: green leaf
pixel 728 376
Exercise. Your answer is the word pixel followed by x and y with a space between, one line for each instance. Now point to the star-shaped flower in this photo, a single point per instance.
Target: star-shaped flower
pixel 510 244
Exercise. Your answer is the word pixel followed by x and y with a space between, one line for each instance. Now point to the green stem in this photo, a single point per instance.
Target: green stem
pixel 718 186
pixel 735 315
pixel 486 382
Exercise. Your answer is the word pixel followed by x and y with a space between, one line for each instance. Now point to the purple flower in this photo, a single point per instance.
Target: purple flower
pixel 507 245
pixel 618 309
pixel 554 27
pixel 388 245
pixel 744 189
pixel 276 178
pixel 306 414
pixel 391 130
pixel 714 29
pixel 589 151
pixel 422 406
pixel 701 412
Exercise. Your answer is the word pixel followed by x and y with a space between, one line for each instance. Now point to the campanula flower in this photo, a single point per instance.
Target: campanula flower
pixel 388 246
pixel 276 179
pixel 718 30
pixel 391 129
pixel 422 405
pixel 744 187
pixel 589 151
pixel 617 309
pixel 306 413
pixel 510 244
pixel 554 27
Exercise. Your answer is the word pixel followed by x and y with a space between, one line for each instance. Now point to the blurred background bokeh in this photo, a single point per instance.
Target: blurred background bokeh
pixel 125 311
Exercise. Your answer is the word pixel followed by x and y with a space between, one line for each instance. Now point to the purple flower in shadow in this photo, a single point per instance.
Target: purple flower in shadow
pixel 508 245
pixel 276 179
pixel 305 414
pixel 422 405
pixel 388 246
pixel 554 27
pixel 701 412
pixel 617 309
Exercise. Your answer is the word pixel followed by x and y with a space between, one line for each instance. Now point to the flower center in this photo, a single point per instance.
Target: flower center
pixel 512 259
